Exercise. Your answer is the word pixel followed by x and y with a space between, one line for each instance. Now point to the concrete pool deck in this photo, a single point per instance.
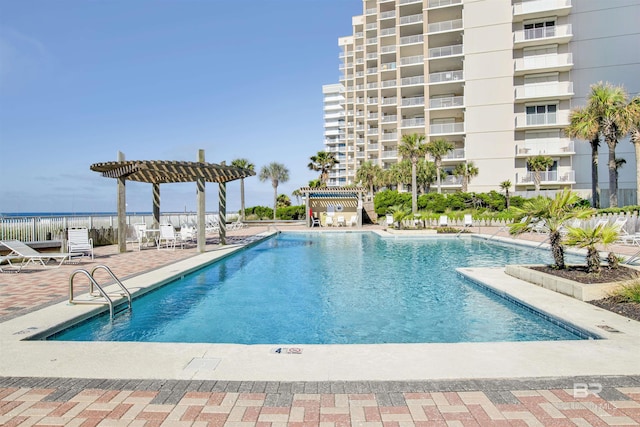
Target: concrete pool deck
pixel 43 368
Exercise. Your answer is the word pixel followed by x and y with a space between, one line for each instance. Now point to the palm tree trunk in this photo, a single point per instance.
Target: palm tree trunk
pixel 593 260
pixel 275 200
pixel 414 189
pixel 438 176
pixel 613 179
pixel 595 186
pixel 242 198
pixel 536 182
pixel 506 196
pixel 555 240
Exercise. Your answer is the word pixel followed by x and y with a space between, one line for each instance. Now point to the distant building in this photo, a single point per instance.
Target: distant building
pixel 496 78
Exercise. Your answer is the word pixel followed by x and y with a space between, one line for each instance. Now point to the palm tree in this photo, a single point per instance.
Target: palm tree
pixel 589 237
pixel 297 194
pixel 244 164
pixel 634 107
pixel 276 172
pixel 283 201
pixel 439 148
pixel 554 212
pixel 584 125
pixel 506 185
pixel 426 175
pixel 466 171
pixel 369 174
pixel 538 164
pixel 316 183
pixel 413 148
pixel 609 104
pixel 322 162
pixel 400 173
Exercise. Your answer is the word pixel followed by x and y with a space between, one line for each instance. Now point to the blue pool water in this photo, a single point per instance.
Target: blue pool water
pixel 334 288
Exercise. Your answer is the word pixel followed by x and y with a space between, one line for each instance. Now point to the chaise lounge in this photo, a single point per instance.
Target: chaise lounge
pixel 19 250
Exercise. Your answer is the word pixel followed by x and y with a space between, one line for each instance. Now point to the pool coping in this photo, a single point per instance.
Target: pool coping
pixel 615 354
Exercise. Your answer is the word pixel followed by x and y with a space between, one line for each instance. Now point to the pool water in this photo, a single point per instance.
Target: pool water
pixel 334 288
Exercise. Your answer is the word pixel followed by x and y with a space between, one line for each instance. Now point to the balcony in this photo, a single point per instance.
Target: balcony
pixel 411 19
pixel 439 27
pixel 553 90
pixel 448 102
pixel 388 49
pixel 544 63
pixel 411 123
pixel 445 51
pixel 387 66
pixel 389 137
pixel 373 147
pixel 442 3
pixel 389 119
pixel 389 83
pixel 559 119
pixel 403 2
pixel 559 34
pixel 557 147
pixel 388 32
pixel 451 180
pixel 532 9
pixel 456 154
pixel 547 177
pixel 446 128
pixel 411 39
pixel 390 154
pixel 446 77
pixel 410 60
pixel 411 81
pixel 415 101
pixel 388 15
pixel 391 100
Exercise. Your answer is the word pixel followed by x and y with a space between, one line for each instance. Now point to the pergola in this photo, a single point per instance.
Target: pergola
pixel 320 198
pixel 158 172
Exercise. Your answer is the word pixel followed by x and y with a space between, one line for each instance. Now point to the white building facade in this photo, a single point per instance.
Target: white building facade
pixel 496 78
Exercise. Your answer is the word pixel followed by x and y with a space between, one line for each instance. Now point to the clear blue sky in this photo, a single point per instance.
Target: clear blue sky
pixel 81 80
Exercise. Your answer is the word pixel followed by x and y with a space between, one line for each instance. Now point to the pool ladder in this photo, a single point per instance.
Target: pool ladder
pixel 93 285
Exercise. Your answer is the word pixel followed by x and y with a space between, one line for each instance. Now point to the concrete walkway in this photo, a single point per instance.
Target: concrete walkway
pixel 45 400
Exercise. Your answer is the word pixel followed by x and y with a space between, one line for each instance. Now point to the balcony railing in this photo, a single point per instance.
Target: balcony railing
pixel 388 49
pixel 411 39
pixel 389 154
pixel 452 180
pixel 413 101
pixel 449 102
pixel 388 32
pixel 551 119
pixel 415 122
pixel 387 66
pixel 445 128
pixel 446 76
pixel 409 81
pixel 544 90
pixel 542 33
pixel 556 147
pixel 411 19
pixel 388 15
pixel 437 27
pixel 372 40
pixel 418 59
pixel 455 154
pixel 373 55
pixel 389 136
pixel 402 2
pixel 544 61
pixel 373 146
pixel 389 118
pixel 372 70
pixel 389 83
pixel 391 100
pixel 547 176
pixel 443 3
pixel 438 52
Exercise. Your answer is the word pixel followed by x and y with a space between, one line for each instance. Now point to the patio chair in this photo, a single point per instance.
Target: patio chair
pixel 141 234
pixel 29 255
pixel 79 242
pixel 444 221
pixel 340 222
pixel 389 220
pixel 353 221
pixel 329 221
pixel 315 222
pixel 187 234
pixel 8 259
pixel 168 236
pixel 468 220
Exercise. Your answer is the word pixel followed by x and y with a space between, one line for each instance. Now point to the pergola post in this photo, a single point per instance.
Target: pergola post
pixel 200 186
pixel 222 212
pixel 156 205
pixel 306 209
pixel 122 210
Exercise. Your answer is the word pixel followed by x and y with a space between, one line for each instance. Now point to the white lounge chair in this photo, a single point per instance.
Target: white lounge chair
pixel 353 222
pixel 29 255
pixel 141 234
pixel 444 221
pixel 340 222
pixel 79 242
pixel 468 220
pixel 389 220
pixel 187 234
pixel 168 236
pixel 329 221
pixel 315 222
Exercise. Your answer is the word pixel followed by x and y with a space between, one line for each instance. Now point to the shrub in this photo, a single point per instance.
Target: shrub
pixel 261 212
pixel 629 293
pixel 291 212
pixel 387 198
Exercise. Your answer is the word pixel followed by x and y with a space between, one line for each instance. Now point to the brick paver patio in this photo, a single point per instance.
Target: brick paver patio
pixel 592 401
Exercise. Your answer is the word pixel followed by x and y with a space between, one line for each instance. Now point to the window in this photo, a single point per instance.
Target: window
pixel 541 114
pixel 538 30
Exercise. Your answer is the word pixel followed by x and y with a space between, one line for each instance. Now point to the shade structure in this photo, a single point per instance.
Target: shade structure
pixel 342 197
pixel 158 172
pixel 166 171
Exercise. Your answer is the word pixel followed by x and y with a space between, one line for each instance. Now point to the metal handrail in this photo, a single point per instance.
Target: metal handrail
pixel 93 285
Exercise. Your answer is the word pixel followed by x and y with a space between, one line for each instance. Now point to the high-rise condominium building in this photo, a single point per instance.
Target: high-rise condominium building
pixel 496 78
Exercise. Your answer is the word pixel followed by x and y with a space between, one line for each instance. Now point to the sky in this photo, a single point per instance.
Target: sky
pixel 81 80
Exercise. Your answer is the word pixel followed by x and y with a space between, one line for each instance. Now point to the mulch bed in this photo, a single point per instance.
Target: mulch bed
pixel 579 274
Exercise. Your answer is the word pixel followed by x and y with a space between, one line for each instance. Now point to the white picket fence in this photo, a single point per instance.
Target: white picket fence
pixel 43 228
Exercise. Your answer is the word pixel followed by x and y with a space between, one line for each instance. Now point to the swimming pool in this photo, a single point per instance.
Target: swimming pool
pixel 334 288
